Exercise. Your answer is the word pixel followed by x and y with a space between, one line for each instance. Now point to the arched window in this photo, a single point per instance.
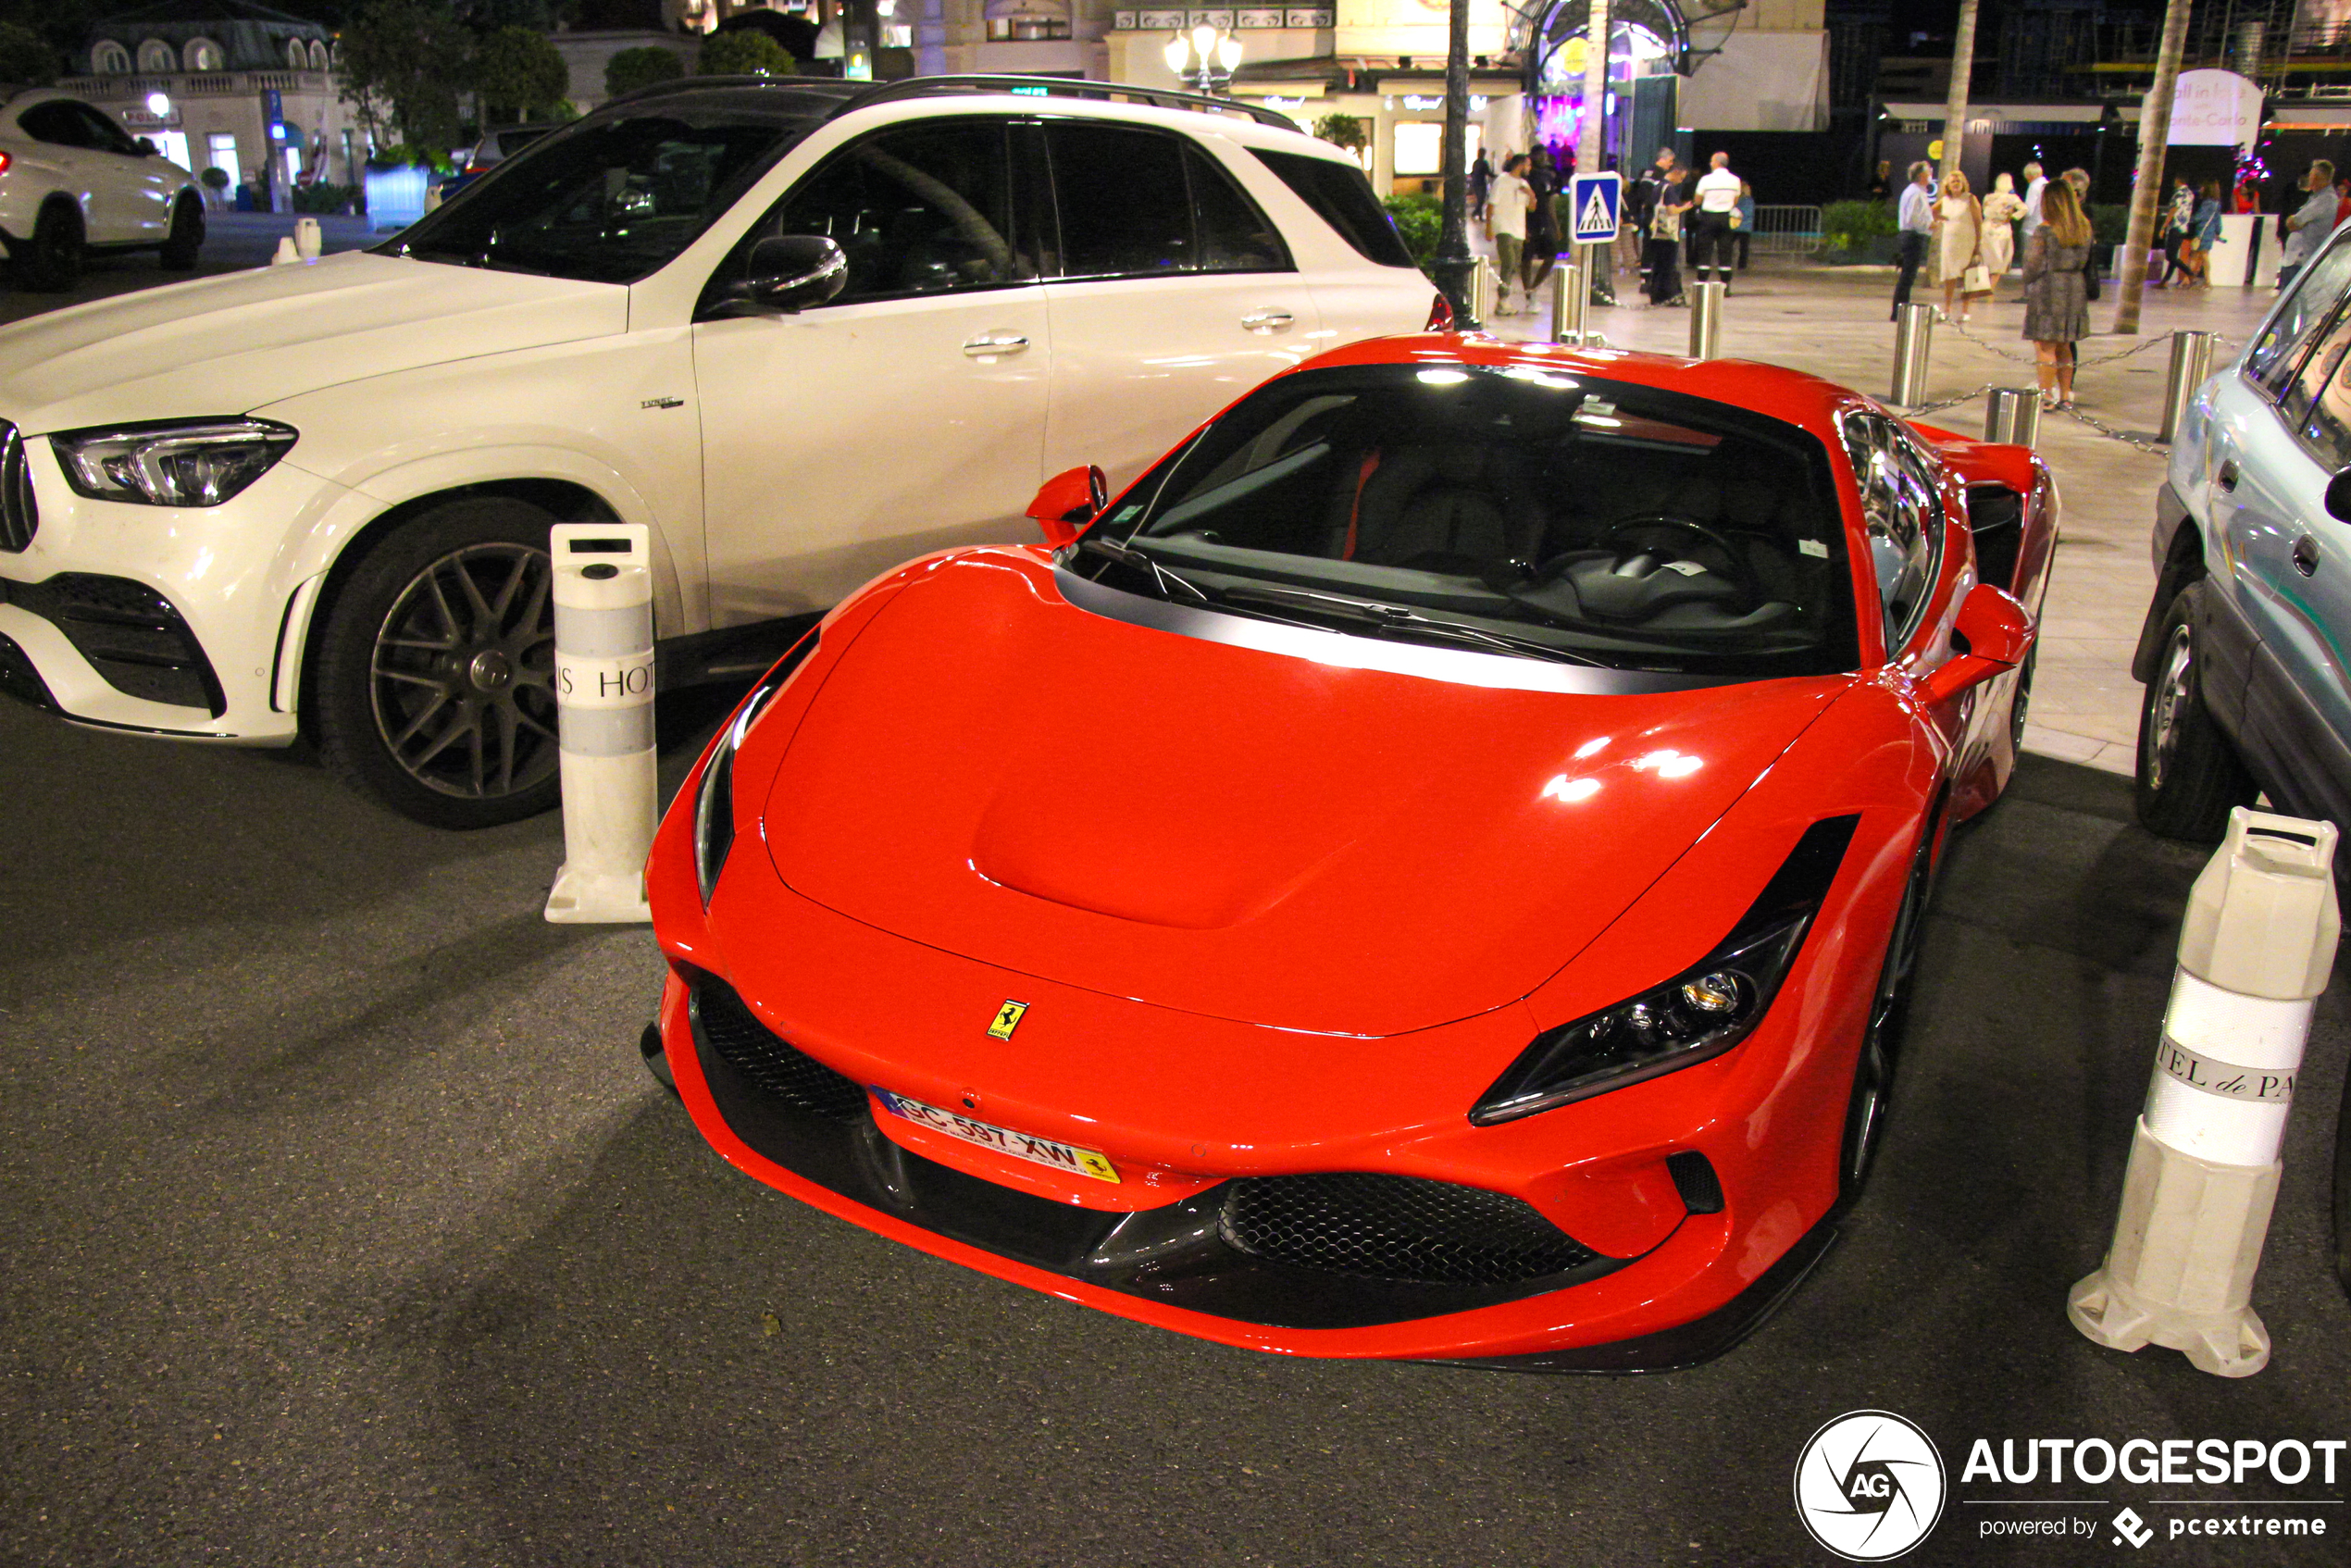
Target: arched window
pixel 203 53
pixel 157 57
pixel 319 55
pixel 109 58
pixel 297 54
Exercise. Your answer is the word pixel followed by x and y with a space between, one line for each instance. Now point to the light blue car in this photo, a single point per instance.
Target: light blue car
pixel 2242 654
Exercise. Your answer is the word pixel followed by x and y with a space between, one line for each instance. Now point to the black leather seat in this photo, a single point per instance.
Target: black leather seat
pixel 1450 507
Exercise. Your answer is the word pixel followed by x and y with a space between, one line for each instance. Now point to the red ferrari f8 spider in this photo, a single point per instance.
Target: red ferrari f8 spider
pixel 1430 870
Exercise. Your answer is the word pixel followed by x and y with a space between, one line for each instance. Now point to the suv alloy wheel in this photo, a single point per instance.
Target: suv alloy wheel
pixel 435 691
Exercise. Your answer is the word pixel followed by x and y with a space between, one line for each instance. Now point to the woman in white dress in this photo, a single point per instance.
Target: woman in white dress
pixel 2001 209
pixel 1959 222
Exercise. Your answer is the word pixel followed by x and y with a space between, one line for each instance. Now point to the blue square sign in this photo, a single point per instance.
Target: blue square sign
pixel 1597 199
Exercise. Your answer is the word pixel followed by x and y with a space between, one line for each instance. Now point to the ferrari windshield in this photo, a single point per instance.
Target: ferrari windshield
pixel 615 197
pixel 1519 509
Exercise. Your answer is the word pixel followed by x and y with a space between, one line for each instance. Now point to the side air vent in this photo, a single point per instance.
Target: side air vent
pixel 18 516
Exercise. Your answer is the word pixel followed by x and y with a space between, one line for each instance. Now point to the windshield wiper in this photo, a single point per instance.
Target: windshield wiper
pixel 1397 621
pixel 1165 577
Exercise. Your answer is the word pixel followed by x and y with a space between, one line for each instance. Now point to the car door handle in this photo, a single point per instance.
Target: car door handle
pixel 2306 556
pixel 988 344
pixel 2227 478
pixel 1266 320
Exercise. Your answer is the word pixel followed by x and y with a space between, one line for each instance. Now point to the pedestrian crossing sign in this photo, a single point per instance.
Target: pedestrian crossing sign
pixel 1598 198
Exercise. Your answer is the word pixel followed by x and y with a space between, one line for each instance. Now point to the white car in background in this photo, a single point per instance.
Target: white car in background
pixel 72 180
pixel 802 330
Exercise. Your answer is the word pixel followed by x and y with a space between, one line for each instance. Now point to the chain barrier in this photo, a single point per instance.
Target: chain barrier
pixel 1939 406
pixel 2099 427
pixel 2152 448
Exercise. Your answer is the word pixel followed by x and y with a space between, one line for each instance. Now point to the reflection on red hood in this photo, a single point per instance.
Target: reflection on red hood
pixel 1248 835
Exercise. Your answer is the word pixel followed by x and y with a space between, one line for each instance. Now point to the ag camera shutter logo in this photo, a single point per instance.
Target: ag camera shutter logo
pixel 1870 1486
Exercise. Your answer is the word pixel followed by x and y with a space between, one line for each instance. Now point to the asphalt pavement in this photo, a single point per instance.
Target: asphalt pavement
pixel 343 1226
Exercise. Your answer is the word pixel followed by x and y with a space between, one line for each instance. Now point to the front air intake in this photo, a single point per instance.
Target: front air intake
pixel 18 515
pixel 1401 1228
pixel 778 1069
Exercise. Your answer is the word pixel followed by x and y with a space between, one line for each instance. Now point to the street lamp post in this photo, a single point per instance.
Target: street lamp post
pixel 1453 264
pixel 1205 59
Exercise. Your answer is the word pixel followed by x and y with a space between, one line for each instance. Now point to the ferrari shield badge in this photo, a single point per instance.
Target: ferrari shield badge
pixel 1007 1019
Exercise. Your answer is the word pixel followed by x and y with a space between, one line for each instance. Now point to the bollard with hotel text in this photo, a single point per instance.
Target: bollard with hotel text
pixel 2255 953
pixel 604 598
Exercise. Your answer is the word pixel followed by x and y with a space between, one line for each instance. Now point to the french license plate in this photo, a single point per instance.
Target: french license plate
pixel 1062 1157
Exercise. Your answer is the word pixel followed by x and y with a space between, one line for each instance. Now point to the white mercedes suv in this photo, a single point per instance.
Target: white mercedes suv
pixel 802 330
pixel 72 180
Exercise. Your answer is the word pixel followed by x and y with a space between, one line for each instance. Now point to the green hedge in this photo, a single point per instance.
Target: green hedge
pixel 1420 220
pixel 1850 226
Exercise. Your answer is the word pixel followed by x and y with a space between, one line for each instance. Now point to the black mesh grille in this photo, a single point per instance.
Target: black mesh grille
pixel 1397 1229
pixel 18 515
pixel 752 1048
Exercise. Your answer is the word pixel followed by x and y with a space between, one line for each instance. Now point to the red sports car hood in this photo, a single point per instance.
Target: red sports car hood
pixel 1230 831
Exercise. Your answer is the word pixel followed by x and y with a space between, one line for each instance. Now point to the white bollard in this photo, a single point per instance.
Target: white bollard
pixel 285 254
pixel 309 241
pixel 2255 954
pixel 603 594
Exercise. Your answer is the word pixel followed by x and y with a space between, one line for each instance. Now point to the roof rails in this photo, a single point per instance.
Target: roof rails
pixel 1060 87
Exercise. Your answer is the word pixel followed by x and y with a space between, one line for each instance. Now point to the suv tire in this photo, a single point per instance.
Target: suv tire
pixel 2189 776
pixel 179 247
pixel 52 261
pixel 434 690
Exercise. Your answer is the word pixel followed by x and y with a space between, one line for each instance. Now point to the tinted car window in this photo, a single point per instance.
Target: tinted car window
pixel 2327 426
pixel 1342 197
pixel 56 123
pixel 2315 370
pixel 921 209
pixel 2278 349
pixel 1902 519
pixel 609 200
pixel 103 133
pixel 1125 208
pixel 1234 236
pixel 1551 515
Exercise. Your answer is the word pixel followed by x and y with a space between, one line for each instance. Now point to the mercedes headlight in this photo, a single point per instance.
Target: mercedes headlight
pixel 714 801
pixel 182 463
pixel 1699 1014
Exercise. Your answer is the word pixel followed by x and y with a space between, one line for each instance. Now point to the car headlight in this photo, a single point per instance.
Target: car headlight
pixel 182 463
pixel 1699 1014
pixel 715 802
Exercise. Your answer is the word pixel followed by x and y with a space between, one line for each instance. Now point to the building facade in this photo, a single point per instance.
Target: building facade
pixel 224 84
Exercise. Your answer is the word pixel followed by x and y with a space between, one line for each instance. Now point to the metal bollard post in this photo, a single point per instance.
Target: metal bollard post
pixel 2012 415
pixel 603 596
pixel 1569 300
pixel 2255 953
pixel 1485 301
pixel 2191 363
pixel 1913 335
pixel 1706 320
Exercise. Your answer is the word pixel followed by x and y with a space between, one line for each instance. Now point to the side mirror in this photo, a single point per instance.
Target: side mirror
pixel 1068 502
pixel 789 273
pixel 2339 497
pixel 1993 633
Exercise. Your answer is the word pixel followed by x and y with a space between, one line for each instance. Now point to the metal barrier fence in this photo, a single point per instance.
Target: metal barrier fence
pixel 1786 231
